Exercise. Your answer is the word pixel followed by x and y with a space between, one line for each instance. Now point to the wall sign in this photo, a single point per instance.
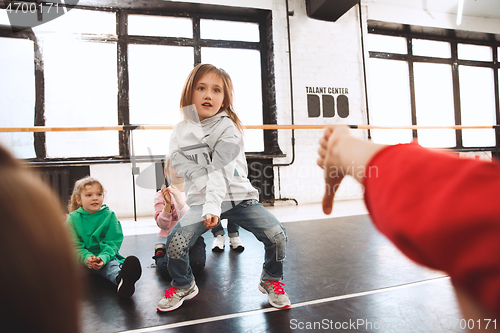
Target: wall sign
pixel 322 98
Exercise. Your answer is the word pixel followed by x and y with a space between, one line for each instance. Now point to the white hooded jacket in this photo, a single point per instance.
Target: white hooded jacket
pixel 210 155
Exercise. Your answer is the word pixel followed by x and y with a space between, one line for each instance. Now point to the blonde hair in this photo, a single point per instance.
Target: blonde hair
pixel 227 104
pixel 38 226
pixel 77 191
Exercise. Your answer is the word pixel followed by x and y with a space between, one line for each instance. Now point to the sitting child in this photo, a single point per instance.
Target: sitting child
pixel 98 236
pixel 170 206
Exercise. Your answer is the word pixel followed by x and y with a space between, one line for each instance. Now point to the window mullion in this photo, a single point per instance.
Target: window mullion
pixel 39 137
pixel 456 93
pixel 411 78
pixel 496 68
pixel 196 39
pixel 123 82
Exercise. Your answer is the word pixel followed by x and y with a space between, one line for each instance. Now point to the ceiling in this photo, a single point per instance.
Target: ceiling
pixel 476 8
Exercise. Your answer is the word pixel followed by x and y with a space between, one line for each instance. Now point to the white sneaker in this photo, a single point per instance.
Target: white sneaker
pixel 218 244
pixel 236 243
pixel 175 297
pixel 276 293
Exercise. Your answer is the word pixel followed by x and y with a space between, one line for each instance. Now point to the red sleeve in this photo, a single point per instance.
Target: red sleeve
pixel 442 211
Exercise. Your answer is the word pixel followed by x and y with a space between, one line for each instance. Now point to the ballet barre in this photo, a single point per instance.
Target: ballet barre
pixel 263 127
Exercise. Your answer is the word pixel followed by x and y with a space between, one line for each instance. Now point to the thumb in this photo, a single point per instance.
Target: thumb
pixel 332 184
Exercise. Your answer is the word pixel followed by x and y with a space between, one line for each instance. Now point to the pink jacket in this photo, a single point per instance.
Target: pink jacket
pixel 164 220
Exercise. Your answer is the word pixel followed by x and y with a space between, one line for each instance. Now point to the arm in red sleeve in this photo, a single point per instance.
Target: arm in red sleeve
pixel 441 211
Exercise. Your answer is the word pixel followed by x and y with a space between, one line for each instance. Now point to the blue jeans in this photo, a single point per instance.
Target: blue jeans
pixel 109 271
pixel 232 229
pixel 197 259
pixel 248 214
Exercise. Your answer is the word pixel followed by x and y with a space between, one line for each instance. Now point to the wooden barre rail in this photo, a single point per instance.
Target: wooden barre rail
pixel 264 127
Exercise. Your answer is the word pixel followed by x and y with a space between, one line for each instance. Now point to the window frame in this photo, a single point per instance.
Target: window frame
pixel 454 37
pixel 39 119
pixel 194 11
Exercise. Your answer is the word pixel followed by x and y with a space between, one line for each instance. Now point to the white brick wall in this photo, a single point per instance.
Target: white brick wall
pixel 324 54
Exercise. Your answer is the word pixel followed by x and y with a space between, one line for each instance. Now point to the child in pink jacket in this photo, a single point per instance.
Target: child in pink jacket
pixel 170 205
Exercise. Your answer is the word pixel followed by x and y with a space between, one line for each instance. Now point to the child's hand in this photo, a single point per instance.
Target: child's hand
pixel 175 191
pixel 166 193
pixel 94 263
pixel 177 195
pixel 210 221
pixel 168 199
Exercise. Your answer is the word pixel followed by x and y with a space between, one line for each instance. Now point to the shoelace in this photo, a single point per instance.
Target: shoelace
pixel 277 286
pixel 170 292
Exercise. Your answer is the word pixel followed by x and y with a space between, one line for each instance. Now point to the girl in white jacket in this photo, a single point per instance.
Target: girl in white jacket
pixel 206 148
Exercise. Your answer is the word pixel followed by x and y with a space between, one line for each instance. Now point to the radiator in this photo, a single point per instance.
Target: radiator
pixel 62 179
pixel 261 176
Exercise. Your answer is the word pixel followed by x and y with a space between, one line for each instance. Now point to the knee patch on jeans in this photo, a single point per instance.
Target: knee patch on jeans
pixel 178 245
pixel 277 236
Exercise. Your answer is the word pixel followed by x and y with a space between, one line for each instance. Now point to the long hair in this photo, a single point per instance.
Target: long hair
pixel 193 78
pixel 77 191
pixel 37 255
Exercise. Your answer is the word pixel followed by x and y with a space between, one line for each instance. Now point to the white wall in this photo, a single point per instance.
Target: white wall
pixel 324 54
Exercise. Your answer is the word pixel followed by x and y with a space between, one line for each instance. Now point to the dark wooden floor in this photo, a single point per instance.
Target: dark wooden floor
pixel 341 275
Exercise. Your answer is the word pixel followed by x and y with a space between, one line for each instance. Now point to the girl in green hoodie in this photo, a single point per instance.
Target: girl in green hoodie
pixel 98 235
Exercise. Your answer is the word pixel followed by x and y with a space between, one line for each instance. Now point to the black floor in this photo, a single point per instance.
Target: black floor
pixel 341 275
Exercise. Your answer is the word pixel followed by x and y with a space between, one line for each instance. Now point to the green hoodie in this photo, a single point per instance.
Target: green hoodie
pixel 99 234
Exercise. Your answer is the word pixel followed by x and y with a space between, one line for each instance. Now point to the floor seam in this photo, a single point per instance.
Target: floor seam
pixel 294 306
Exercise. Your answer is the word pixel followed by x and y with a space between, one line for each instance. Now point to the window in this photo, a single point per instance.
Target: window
pixel 156 84
pixel 155 89
pixel 247 87
pixel 436 80
pixel 434 103
pixel 477 104
pixel 126 66
pixel 160 26
pixel 389 100
pixel 17 108
pixel 229 30
pixel 431 48
pixel 81 95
